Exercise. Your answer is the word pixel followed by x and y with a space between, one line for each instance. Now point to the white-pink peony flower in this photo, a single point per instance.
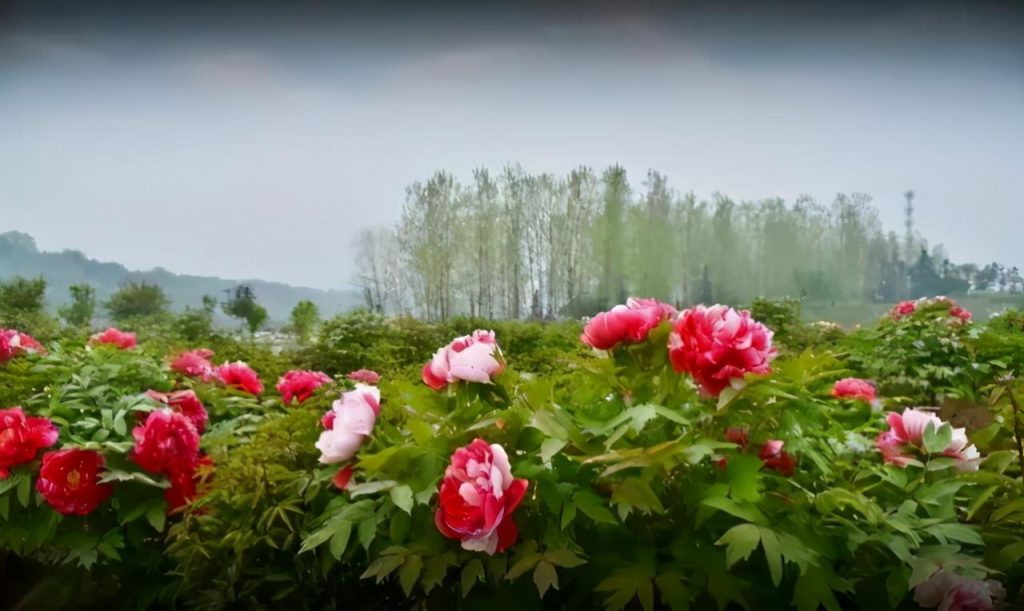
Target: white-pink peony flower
pixel 352 421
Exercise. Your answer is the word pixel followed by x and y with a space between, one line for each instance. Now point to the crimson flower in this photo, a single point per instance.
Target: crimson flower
pixel 21 437
pixel 69 481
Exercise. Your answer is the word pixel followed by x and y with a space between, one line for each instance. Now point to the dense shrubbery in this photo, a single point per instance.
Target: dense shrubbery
pixel 685 467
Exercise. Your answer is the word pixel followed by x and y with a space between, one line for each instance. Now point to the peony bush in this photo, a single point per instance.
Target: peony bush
pixel 668 459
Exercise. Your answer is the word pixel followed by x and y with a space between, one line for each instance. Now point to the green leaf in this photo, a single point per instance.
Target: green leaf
pixel 957 532
pixel 594 507
pixel 637 493
pixel 24 490
pixel 524 563
pixel 564 558
pixel 544 577
pixel 157 515
pixel 741 540
pixel 120 427
pixel 744 473
pixel 422 432
pixel 546 422
pixel 935 441
pixel 367 531
pixel 410 572
pixel 472 572
pixel 402 498
pixel 568 513
pixel 744 512
pixel 726 397
pixel 342 532
pixel 549 448
pixel 772 554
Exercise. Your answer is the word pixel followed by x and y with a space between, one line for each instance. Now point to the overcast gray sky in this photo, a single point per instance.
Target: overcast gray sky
pixel 255 143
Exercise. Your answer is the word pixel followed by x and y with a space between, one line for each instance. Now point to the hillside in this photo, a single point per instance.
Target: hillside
pixel 20 256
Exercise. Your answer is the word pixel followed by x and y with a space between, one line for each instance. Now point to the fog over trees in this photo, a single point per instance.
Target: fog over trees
pixel 515 245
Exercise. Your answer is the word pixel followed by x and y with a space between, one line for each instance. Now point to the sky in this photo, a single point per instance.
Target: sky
pixel 255 140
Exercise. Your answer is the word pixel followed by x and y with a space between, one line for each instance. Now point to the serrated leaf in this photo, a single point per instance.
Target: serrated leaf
pixel 564 558
pixel 524 563
pixel 772 554
pixel 741 540
pixel 472 572
pixel 544 577
pixel 409 573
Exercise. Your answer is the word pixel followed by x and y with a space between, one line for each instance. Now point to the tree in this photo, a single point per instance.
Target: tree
pixel 80 311
pixel 137 299
pixel 242 304
pixel 305 316
pixel 22 295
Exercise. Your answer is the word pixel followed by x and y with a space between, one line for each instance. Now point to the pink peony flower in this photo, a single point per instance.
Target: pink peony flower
pixel 960 313
pixel 299 385
pixel 630 323
pixel 718 346
pixel 906 434
pixel 241 376
pixel 69 481
pixel 348 424
pixel 14 343
pixel 904 308
pixel 774 457
pixel 477 497
pixel 21 438
pixel 122 340
pixel 366 376
pixel 470 358
pixel 854 388
pixel 948 591
pixel 194 364
pixel 185 402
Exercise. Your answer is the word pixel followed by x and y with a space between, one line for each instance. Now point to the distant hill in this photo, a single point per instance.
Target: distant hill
pixel 20 256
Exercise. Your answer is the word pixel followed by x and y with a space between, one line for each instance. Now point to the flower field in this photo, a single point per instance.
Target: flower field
pixel 645 458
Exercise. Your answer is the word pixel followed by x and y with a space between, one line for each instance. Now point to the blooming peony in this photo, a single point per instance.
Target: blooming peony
pixel 122 340
pixel 477 498
pixel 958 312
pixel 948 591
pixel 21 437
pixel 906 434
pixel 366 376
pixel 718 345
pixel 904 308
pixel 14 343
pixel 69 481
pixel 774 457
pixel 854 388
pixel 354 416
pixel 241 376
pixel 185 402
pixel 166 443
pixel 470 358
pixel 194 364
pixel 630 323
pixel 299 385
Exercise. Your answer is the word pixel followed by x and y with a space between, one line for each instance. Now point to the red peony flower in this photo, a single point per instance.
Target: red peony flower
pixel 958 312
pixel 737 435
pixel 21 437
pixel 241 376
pixel 69 481
pixel 185 402
pixel 774 457
pixel 366 376
pixel 470 358
pixel 166 443
pixel 904 308
pixel 14 343
pixel 342 478
pixel 194 364
pixel 300 385
pixel 718 345
pixel 185 485
pixel 477 498
pixel 854 388
pixel 630 323
pixel 123 340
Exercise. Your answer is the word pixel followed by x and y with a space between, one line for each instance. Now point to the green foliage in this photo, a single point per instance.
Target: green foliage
pixel 22 295
pixel 304 318
pixel 136 300
pixel 80 311
pixel 242 304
